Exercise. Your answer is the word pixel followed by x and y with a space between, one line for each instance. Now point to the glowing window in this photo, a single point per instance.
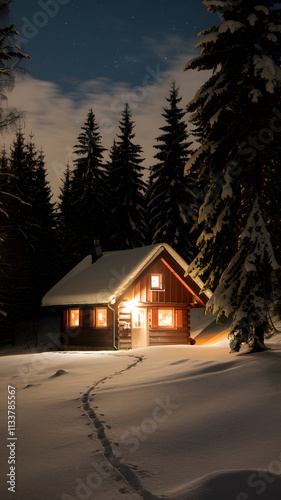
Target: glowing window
pixel 74 317
pixel 138 318
pixel 156 281
pixel 101 317
pixel 166 317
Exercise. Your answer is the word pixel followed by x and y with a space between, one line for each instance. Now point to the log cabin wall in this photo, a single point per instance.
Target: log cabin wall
pixel 87 335
pixel 180 334
pixel 124 332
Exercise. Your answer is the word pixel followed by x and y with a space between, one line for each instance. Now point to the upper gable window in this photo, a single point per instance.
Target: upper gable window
pixel 156 282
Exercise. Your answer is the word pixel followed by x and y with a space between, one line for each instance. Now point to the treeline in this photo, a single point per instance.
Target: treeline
pixel 110 201
pixel 29 244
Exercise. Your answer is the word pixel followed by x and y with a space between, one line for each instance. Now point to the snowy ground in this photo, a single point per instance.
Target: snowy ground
pixel 182 422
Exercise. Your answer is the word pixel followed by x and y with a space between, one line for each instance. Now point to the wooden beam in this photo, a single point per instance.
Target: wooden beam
pixel 200 301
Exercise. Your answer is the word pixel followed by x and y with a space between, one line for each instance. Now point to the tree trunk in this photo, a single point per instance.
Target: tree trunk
pixel 256 343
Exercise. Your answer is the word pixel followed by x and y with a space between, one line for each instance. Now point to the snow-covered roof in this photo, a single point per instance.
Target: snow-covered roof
pixel 106 279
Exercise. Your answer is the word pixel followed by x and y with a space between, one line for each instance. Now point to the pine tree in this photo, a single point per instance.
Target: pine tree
pixel 128 229
pixel 10 57
pixel 17 250
pixel 110 167
pixel 4 183
pixel 4 180
pixel 65 225
pixel 46 266
pixel 88 189
pixel 28 246
pixel 235 116
pixel 22 165
pixel 170 198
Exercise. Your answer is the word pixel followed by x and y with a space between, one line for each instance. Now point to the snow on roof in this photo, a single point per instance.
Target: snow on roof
pixel 105 280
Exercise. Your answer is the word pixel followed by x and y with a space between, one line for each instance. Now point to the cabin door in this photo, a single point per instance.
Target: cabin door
pixel 139 328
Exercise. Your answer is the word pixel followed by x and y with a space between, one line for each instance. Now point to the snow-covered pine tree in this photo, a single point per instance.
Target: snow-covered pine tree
pixel 170 196
pixel 238 125
pixel 88 189
pixel 128 216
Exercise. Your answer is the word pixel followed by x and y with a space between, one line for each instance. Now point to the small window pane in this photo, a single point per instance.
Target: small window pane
pixel 156 281
pixel 74 317
pixel 101 317
pixel 138 318
pixel 165 317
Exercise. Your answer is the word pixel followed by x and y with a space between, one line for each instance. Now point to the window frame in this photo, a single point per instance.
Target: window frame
pixel 79 317
pixel 156 288
pixel 97 326
pixel 173 316
pixel 138 310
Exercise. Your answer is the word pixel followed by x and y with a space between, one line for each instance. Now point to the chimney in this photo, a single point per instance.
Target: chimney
pixel 97 251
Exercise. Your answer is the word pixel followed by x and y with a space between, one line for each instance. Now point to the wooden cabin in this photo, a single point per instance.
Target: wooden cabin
pixel 127 299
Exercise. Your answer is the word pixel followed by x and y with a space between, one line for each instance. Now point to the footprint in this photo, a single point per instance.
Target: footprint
pixel 30 385
pixel 58 373
pixel 123 490
pixel 179 362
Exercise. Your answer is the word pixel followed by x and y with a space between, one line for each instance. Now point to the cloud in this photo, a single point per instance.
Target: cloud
pixel 55 118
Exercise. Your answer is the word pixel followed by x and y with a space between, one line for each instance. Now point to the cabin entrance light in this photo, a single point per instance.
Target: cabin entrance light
pixel 129 305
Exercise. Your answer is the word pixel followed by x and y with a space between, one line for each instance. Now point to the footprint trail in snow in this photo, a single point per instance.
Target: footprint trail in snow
pixel 114 458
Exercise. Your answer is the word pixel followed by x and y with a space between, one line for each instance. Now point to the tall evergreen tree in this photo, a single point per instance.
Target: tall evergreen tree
pixel 109 207
pixel 4 183
pixel 28 247
pixel 238 124
pixel 46 242
pixel 4 180
pixel 19 296
pixel 170 197
pixel 65 225
pixel 88 189
pixel 10 58
pixel 128 229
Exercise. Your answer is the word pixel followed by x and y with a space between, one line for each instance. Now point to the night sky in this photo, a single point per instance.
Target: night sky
pixel 100 54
